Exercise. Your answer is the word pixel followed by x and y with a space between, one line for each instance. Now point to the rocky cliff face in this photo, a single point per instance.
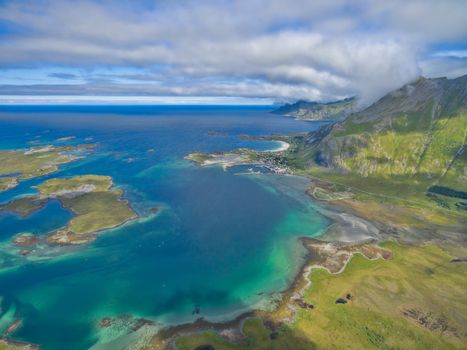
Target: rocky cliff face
pixel 417 130
pixel 304 110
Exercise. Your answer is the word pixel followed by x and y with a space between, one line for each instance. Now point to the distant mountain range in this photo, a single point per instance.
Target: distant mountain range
pixel 309 110
pixel 417 131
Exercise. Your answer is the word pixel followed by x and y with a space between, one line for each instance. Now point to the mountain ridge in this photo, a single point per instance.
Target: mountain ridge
pixel 418 130
pixel 313 110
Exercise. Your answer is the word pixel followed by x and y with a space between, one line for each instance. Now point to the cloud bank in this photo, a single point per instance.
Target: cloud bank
pixel 275 49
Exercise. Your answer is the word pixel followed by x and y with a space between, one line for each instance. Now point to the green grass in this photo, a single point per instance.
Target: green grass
pixel 257 338
pixel 91 198
pixel 350 127
pixel 24 205
pixel 416 277
pixel 421 278
pixel 4 346
pixel 97 211
pixel 448 136
pixel 26 165
pixel 388 153
pixel 53 186
pixel 405 149
pixel 404 196
pixel 97 207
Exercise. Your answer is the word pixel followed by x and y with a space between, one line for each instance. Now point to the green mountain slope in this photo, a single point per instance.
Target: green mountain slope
pixel 408 147
pixel 419 130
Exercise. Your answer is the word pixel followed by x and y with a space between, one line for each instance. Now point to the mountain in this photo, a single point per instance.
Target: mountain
pixel 417 131
pixel 305 110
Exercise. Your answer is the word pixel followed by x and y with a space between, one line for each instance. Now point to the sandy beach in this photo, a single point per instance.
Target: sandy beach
pixel 284 146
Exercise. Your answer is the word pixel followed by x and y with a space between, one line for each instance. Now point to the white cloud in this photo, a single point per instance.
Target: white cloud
pixel 278 49
pixel 451 53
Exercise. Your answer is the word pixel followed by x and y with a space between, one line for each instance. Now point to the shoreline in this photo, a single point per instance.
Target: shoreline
pixel 284 146
pixel 291 297
pixel 284 311
pixel 343 237
pixel 286 307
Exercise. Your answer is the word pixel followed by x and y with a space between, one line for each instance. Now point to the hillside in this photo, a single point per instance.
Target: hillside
pixel 418 129
pixel 411 141
pixel 305 110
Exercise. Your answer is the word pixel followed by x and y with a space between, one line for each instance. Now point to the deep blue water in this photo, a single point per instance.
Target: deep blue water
pixel 220 241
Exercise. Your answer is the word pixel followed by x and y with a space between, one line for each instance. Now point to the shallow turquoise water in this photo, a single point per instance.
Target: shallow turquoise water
pixel 222 241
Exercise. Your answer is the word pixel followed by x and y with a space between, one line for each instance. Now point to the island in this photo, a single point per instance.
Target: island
pixel 95 204
pixel 17 165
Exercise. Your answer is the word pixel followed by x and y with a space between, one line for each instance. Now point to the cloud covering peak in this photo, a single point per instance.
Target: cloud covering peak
pixel 274 49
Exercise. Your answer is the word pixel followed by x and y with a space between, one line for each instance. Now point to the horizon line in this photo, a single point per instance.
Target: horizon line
pixel 12 100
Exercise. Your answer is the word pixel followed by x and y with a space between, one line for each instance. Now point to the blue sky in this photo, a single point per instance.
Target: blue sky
pixel 235 51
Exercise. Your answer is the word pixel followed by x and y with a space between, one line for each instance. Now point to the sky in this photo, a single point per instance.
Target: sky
pixel 224 51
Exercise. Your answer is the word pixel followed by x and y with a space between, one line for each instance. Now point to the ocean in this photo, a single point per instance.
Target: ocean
pixel 222 242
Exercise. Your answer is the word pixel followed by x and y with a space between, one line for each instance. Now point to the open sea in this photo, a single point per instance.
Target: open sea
pixel 222 242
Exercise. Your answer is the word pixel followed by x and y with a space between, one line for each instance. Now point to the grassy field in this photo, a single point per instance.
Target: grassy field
pixel 24 206
pixel 96 206
pixel 17 165
pixel 4 346
pixel 91 198
pixel 97 211
pixel 54 187
pixel 405 193
pixel 416 300
pixel 406 150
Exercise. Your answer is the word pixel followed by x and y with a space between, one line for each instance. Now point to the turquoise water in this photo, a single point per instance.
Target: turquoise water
pixel 222 241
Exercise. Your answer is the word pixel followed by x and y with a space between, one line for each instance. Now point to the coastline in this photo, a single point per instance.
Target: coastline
pixel 291 298
pixel 284 146
pixel 345 222
pixel 352 231
pixel 284 312
pixel 290 301
pixel 349 234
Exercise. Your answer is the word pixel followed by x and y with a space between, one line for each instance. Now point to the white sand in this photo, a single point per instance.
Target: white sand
pixel 284 146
